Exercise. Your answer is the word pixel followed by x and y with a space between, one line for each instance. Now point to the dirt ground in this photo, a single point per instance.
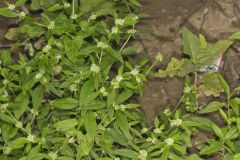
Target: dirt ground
pixel 160 33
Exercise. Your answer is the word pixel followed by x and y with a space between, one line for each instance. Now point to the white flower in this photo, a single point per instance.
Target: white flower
pixel 119 78
pixel 30 138
pixel 102 45
pixel 119 22
pixel 131 31
pixel 169 141
pixel 114 30
pixel 151 140
pixel 51 25
pixel 74 16
pixel 138 80
pixel 52 155
pixel 28 70
pixel 103 91
pixel 3 106
pixel 176 122
pixel 58 44
pixel 122 107
pixel 11 7
pixel 93 17
pixel 22 14
pixel 46 48
pixel 159 57
pixel 143 155
pixel 187 89
pixel 5 81
pixel 73 87
pixel 135 17
pixel 18 124
pixel 144 130
pixel 115 84
pixel 39 75
pixel 117 158
pixel 167 112
pixel 66 5
pixel 135 72
pixel 7 150
pixel 94 68
pixel 157 131
pixel 44 80
pixel 71 140
pixel 58 56
pixel 34 112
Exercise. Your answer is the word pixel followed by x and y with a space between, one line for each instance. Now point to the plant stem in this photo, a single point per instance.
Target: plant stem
pixel 154 63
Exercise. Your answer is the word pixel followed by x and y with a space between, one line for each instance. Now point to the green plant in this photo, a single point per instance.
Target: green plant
pixel 66 88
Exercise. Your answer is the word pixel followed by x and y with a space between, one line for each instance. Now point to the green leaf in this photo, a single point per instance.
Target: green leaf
pixel 86 93
pixel 37 97
pixel 66 103
pixel 212 107
pixel 19 3
pixel 72 47
pixel 225 86
pixel 125 95
pixel 33 152
pixel 217 131
pixel 32 31
pixel 214 147
pixel 191 44
pixel 21 104
pixel 123 124
pixel 8 131
pixel 7 13
pixel 126 153
pixel 18 143
pixel 90 125
pixel 65 125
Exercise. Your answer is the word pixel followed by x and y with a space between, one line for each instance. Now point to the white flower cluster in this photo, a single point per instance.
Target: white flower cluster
pixel 167 112
pixel 175 122
pixel 151 140
pixel 157 131
pixel 66 5
pixel 93 17
pixel 119 21
pixel 22 14
pixel 51 25
pixel 73 87
pixel 74 16
pixel 52 155
pixel 103 91
pixel 18 124
pixel 3 107
pixel 30 138
pixel 117 158
pixel 102 45
pixel 116 82
pixel 46 48
pixel 71 140
pixel 169 141
pixel 187 89
pixel 131 31
pixel 94 68
pixel 34 112
pixel 121 107
pixel 159 57
pixel 39 75
pixel 135 71
pixel 144 130
pixel 143 155
pixel 114 30
pixel 11 7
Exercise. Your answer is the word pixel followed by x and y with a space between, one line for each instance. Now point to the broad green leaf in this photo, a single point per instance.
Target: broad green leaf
pixel 123 124
pixel 66 103
pixel 8 131
pixel 19 3
pixel 7 13
pixel 217 131
pixel 90 125
pixel 125 95
pixel 225 86
pixel 18 143
pixel 32 31
pixel 65 125
pixel 37 97
pixel 214 147
pixel 21 104
pixel 126 153
pixel 191 44
pixel 212 107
